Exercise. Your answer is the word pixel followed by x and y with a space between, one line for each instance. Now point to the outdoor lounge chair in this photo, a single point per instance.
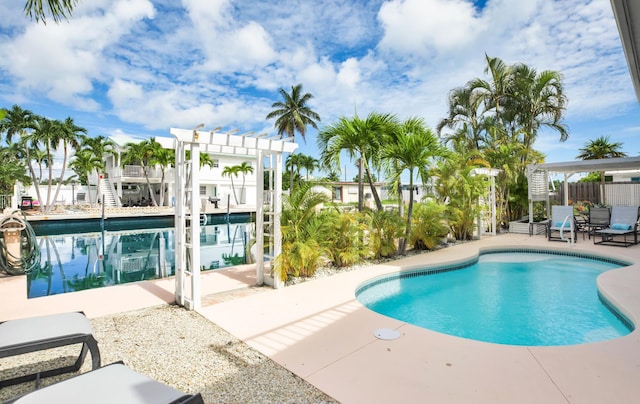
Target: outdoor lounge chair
pixel 599 218
pixel 33 334
pixel 113 383
pixel 624 225
pixel 562 223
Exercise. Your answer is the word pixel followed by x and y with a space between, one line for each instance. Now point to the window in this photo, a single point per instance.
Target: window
pixel 203 190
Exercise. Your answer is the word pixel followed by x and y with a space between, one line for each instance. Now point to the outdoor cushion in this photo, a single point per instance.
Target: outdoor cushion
pixel 619 226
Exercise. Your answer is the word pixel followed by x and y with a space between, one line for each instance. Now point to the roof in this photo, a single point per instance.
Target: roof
pixel 627 14
pixel 587 166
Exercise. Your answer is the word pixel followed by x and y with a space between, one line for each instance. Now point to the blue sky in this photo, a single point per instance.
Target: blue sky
pixel 139 67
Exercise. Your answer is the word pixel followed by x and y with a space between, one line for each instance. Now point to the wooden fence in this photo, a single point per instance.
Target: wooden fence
pixel 617 193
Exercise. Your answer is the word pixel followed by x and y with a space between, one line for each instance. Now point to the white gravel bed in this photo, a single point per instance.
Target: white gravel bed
pixel 182 349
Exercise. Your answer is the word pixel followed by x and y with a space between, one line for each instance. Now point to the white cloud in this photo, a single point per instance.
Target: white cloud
pixel 418 26
pixel 222 61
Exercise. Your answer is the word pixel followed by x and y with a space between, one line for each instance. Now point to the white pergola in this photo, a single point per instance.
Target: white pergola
pixel 268 153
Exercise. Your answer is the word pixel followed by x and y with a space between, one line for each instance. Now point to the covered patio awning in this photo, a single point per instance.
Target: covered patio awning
pixel 588 166
pixel 538 175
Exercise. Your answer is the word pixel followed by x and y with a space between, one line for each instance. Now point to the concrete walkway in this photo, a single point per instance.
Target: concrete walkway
pixel 321 333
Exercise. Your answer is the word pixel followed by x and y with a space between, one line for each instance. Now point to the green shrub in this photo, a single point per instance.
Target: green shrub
pixel 343 238
pixel 428 225
pixel 384 231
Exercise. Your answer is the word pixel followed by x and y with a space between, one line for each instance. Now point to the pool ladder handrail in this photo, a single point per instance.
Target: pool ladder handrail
pixel 570 240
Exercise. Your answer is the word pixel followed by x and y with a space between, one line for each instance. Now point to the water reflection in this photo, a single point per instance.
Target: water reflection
pixel 73 262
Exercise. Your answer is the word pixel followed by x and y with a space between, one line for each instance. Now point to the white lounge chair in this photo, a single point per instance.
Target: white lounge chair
pixel 113 383
pixel 562 223
pixel 623 227
pixel 33 334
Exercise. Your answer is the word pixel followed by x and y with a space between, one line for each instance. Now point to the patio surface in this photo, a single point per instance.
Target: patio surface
pixel 320 332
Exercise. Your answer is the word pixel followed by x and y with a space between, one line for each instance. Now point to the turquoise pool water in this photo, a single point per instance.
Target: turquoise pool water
pixel 73 262
pixel 519 298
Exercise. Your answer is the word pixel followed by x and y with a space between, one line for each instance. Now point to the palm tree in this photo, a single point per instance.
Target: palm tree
pixel 465 116
pixel 244 169
pixel 58 9
pixel 164 158
pixel 68 135
pixel 411 147
pixel 601 148
pixel 292 113
pixel 309 164
pixel 40 157
pixel 98 147
pixel 83 163
pixel 142 153
pixel 361 140
pixel 21 122
pixel 539 101
pixel 293 164
pixel 231 171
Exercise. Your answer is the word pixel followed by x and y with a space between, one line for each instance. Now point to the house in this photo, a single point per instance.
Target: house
pixel 126 185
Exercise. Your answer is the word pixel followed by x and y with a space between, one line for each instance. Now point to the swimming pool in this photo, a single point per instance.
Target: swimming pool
pixel 515 298
pixel 74 262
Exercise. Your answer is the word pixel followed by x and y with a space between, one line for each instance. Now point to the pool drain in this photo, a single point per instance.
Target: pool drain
pixel 386 333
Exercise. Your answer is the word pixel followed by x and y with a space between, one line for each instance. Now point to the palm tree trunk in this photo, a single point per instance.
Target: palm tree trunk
pixel 374 191
pixel 61 178
pixel 360 186
pixel 407 229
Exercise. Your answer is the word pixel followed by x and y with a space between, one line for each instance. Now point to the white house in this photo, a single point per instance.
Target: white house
pixel 126 185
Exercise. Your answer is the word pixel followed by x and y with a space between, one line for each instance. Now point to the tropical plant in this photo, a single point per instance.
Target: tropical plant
pixel 410 147
pixel 601 148
pixel 458 183
pixel 360 140
pixel 429 225
pixel 293 114
pixel 501 116
pixel 12 169
pixel 20 122
pixel 301 229
pixel 385 228
pixel 344 239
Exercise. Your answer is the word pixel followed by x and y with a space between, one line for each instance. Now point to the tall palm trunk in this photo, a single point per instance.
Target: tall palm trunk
pixel 360 186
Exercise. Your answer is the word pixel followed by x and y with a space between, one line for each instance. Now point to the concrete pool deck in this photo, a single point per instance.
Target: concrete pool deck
pixel 318 331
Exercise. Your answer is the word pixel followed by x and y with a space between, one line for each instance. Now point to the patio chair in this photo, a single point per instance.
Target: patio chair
pixel 562 223
pixel 115 383
pixel 599 218
pixel 623 224
pixel 33 334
